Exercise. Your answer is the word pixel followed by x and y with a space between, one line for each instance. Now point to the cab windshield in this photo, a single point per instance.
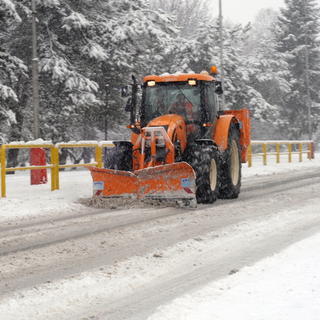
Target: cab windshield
pixel 176 98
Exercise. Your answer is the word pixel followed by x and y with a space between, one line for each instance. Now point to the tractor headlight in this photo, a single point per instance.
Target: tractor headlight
pixel 151 83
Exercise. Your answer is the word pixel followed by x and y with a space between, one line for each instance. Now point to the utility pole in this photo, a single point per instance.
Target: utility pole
pixel 35 74
pixel 106 112
pixel 309 101
pixel 307 75
pixel 221 52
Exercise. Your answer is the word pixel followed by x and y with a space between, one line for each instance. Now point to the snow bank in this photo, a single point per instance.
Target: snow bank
pixel 24 200
pixel 33 142
pixel 258 169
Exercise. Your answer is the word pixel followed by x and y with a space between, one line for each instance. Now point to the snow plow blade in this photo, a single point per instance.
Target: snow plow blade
pixel 170 181
pixel 165 182
pixel 114 183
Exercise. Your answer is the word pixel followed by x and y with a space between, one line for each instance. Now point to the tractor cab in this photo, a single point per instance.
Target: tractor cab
pixel 191 96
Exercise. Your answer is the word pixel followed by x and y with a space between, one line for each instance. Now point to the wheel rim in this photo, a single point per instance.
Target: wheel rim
pixel 213 175
pixel 235 163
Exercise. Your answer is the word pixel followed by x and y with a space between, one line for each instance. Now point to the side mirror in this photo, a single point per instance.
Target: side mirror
pixel 125 92
pixel 129 106
pixel 219 89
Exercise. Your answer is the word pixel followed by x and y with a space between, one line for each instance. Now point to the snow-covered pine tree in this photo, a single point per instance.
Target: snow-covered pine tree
pixel 137 40
pixel 187 14
pixel 298 38
pixel 87 50
pixel 64 90
pixel 12 74
pixel 268 69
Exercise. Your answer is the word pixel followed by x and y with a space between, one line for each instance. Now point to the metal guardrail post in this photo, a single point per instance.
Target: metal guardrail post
pixel 57 160
pixel 300 152
pixel 3 170
pixel 264 151
pixel 55 169
pixel 310 150
pixel 250 156
pixel 289 152
pixel 278 152
pixel 99 156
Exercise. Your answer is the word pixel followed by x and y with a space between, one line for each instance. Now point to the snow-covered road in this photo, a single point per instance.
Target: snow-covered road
pixel 73 262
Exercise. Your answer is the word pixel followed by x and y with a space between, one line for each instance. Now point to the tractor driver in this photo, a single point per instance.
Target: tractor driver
pixel 182 106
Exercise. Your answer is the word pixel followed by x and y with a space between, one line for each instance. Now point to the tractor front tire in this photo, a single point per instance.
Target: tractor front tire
pixel 230 166
pixel 119 157
pixel 204 161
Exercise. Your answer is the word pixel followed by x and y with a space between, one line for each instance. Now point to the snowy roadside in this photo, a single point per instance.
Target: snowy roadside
pixel 284 286
pixel 24 201
pixel 258 169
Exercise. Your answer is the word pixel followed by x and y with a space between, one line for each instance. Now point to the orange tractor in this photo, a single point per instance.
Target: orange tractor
pixel 182 147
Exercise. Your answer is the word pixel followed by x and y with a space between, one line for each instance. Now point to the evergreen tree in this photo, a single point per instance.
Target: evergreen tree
pixel 13 72
pixel 298 39
pixel 187 14
pixel 87 50
pixel 138 41
pixel 268 69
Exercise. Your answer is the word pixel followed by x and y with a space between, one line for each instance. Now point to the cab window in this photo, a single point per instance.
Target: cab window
pixel 210 101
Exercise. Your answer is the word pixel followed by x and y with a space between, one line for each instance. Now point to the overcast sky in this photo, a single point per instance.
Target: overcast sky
pixel 245 10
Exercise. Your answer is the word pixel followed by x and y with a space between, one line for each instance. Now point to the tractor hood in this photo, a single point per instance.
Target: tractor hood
pixel 175 126
pixel 167 121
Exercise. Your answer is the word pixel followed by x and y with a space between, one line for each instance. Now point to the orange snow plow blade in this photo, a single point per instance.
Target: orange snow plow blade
pixel 108 182
pixel 171 181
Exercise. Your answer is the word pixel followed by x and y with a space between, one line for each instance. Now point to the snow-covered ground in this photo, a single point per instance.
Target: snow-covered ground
pixel 285 286
pixel 24 201
pixel 280 287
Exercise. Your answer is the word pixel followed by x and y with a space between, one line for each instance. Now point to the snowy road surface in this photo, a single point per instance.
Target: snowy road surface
pixel 73 262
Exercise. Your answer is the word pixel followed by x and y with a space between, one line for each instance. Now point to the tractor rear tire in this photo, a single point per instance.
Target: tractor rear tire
pixel 204 161
pixel 230 166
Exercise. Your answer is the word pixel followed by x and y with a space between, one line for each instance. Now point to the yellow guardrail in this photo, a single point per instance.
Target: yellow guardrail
pixel 4 169
pixel 54 165
pixel 267 147
pixel 275 148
